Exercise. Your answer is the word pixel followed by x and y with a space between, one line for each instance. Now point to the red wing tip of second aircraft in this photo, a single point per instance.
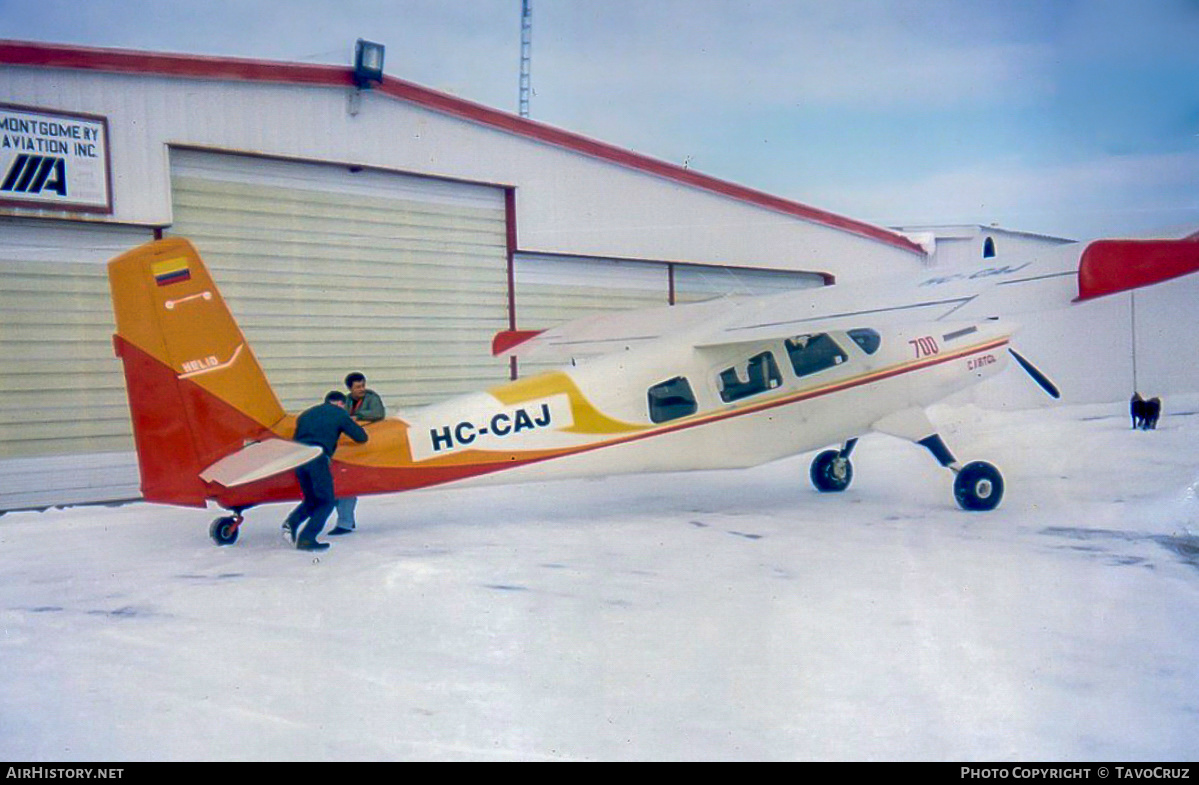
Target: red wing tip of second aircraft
pixel 1111 266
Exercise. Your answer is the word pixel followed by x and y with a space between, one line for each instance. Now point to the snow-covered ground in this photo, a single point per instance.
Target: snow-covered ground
pixel 707 616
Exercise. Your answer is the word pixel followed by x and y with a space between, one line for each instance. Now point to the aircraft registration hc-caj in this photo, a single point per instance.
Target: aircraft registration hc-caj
pixel 727 383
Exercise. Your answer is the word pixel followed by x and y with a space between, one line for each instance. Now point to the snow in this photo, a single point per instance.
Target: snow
pixel 732 615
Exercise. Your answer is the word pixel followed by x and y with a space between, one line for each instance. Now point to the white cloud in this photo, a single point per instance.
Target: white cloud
pixel 1102 196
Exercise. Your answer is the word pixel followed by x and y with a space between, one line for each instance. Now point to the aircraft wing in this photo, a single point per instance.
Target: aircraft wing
pixel 607 332
pixel 1053 279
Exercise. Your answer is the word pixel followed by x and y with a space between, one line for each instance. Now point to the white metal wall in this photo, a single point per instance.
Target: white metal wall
pixel 568 202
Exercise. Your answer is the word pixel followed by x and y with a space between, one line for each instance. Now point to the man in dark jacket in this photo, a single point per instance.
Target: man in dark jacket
pixel 320 426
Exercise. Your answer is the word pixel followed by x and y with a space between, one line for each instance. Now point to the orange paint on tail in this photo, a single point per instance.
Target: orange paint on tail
pixel 196 391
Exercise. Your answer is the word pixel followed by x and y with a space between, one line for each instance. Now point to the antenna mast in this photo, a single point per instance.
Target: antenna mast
pixel 526 52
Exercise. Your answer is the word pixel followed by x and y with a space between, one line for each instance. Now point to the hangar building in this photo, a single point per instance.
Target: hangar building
pixel 391 230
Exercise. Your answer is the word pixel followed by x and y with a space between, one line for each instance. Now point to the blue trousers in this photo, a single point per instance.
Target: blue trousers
pixel 316 483
pixel 345 512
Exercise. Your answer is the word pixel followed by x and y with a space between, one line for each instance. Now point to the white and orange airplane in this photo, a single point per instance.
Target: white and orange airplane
pixel 727 383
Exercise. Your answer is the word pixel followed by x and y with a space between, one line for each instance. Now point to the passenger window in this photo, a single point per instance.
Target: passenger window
pixel 867 339
pixel 671 399
pixel 813 353
pixel 757 374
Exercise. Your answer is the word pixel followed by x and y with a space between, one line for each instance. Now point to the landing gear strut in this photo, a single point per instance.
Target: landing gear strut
pixel 224 530
pixel 977 486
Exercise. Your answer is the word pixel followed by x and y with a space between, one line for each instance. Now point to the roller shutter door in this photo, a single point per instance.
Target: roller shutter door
pixel 551 290
pixel 331 269
pixel 65 436
pixel 693 283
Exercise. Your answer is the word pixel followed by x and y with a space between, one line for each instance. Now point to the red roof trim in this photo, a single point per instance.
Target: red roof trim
pixel 239 69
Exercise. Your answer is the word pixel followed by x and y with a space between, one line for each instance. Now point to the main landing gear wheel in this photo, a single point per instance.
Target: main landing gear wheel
pixel 978 487
pixel 831 473
pixel 224 530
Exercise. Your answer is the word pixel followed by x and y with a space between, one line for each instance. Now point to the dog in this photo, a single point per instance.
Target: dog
pixel 1153 410
pixel 1144 413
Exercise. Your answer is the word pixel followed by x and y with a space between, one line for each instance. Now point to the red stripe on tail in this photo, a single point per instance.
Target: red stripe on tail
pixel 179 428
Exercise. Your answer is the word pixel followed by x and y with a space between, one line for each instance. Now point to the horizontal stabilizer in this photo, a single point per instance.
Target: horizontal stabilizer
pixel 1110 266
pixel 258 461
pixel 510 339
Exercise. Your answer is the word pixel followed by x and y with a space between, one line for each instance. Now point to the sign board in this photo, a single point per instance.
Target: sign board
pixel 54 160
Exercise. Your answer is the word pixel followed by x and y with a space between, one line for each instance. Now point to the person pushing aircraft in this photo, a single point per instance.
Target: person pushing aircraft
pixel 321 426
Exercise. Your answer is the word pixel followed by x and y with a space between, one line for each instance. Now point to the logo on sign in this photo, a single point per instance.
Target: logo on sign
pixel 33 174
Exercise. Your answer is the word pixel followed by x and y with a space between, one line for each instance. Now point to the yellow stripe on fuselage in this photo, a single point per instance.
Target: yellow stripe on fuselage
pixel 587 418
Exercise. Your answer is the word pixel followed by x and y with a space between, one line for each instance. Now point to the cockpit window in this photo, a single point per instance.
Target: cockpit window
pixel 813 353
pixel 671 399
pixel 757 374
pixel 866 338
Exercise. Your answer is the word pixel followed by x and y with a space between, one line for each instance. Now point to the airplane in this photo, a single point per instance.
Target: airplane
pixel 727 383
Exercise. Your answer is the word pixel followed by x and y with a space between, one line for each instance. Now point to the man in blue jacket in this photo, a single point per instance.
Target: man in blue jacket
pixel 320 426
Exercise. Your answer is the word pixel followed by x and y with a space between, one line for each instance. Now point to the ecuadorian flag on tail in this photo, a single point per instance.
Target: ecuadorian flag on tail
pixel 171 271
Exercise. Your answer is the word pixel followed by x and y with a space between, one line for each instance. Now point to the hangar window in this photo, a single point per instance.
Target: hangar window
pixel 866 338
pixel 813 353
pixel 671 399
pixel 757 374
pixel 988 248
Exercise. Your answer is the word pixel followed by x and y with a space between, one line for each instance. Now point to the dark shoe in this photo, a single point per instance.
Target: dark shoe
pixel 289 533
pixel 312 546
pixel 340 530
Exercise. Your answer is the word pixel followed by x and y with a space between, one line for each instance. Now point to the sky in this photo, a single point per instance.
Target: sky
pixel 1075 118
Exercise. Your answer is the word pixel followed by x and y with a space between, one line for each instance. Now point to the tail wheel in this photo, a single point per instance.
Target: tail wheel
pixel 978 487
pixel 831 473
pixel 224 530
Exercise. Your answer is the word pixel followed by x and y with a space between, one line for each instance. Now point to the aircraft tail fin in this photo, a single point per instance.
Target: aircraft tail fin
pixel 196 391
